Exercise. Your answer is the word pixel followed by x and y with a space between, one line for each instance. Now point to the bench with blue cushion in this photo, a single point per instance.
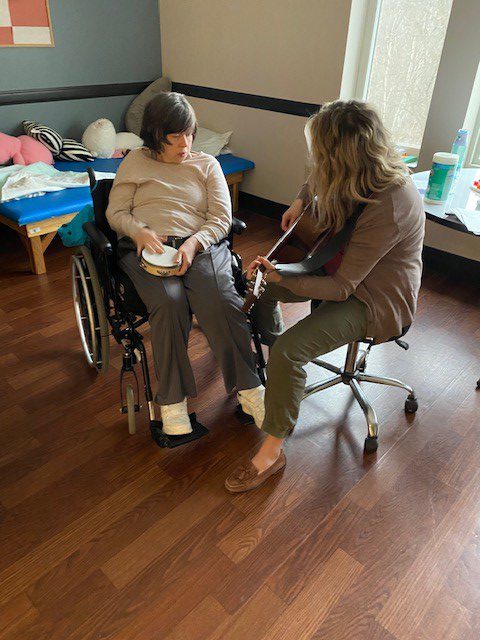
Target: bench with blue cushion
pixel 37 219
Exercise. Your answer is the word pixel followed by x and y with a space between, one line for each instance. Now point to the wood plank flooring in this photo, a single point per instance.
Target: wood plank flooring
pixel 104 535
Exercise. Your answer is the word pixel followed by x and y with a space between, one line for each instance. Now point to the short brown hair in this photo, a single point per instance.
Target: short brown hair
pixel 169 112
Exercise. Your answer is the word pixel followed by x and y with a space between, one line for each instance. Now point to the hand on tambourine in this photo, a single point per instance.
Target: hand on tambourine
pixel 150 240
pixel 187 253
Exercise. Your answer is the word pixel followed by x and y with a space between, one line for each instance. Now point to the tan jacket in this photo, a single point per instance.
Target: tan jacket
pixel 382 263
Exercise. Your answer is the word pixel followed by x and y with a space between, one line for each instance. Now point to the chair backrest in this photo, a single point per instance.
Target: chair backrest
pixel 100 190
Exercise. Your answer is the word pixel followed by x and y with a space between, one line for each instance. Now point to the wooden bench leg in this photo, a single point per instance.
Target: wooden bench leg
pixel 36 237
pixel 234 193
pixel 233 181
pixel 35 254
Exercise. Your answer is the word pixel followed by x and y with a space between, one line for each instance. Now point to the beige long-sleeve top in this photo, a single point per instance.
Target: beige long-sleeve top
pixel 381 265
pixel 189 198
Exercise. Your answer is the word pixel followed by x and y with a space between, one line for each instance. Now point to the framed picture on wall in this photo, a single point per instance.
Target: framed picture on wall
pixel 25 23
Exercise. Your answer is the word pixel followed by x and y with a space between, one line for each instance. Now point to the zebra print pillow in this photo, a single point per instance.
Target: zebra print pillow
pixel 62 148
pixel 50 138
pixel 73 150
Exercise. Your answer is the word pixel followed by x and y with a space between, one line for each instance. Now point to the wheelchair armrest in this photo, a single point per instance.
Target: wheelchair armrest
pixel 98 238
pixel 238 226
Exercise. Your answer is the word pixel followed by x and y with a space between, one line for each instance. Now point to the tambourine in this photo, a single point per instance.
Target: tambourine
pixel 161 264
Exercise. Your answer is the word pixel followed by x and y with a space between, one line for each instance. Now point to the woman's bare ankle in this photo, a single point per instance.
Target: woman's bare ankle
pixel 268 453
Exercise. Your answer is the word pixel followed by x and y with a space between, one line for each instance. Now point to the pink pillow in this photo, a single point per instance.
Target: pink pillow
pixel 34 151
pixel 9 148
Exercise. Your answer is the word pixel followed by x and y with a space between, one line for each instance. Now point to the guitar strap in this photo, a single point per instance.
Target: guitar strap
pixel 326 252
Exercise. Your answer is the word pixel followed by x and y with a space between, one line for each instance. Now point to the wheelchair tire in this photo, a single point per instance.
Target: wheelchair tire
pixel 130 400
pixel 89 309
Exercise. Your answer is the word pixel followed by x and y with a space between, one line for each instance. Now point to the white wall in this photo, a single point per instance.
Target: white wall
pixel 277 48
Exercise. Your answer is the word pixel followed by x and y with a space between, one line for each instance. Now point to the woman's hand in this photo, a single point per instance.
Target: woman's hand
pixel 187 253
pixel 270 275
pixel 147 239
pixel 291 214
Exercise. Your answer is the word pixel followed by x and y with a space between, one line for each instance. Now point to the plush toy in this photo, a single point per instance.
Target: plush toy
pixel 23 150
pixel 102 141
pixel 127 140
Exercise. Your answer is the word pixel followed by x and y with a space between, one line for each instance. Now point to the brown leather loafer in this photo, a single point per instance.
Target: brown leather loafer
pixel 246 476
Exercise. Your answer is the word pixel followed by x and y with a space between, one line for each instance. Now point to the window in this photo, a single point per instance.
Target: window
pixel 400 63
pixel 475 145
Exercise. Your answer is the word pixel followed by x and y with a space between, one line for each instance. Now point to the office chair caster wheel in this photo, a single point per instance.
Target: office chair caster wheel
pixel 371 444
pixel 411 405
pixel 131 409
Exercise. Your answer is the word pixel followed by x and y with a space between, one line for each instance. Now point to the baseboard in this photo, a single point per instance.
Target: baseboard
pixel 451 263
pixel 262 206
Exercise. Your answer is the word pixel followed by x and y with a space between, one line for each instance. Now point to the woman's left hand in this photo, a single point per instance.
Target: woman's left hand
pixel 186 253
pixel 270 274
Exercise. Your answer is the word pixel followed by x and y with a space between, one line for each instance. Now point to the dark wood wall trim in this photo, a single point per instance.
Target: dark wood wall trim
pixel 255 204
pixel 81 92
pixel 279 105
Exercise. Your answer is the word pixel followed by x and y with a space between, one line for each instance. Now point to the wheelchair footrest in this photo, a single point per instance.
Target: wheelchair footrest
pixel 242 417
pixel 164 440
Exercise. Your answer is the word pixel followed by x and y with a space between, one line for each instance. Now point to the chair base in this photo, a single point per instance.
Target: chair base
pixel 352 374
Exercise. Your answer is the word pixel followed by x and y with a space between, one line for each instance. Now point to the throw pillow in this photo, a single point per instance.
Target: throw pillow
pixel 134 114
pixel 47 136
pixel 61 148
pixel 210 141
pixel 74 151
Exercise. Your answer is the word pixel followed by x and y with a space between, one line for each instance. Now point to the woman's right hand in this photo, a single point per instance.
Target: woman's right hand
pixel 291 214
pixel 150 240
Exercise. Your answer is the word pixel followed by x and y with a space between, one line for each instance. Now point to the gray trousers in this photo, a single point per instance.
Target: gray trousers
pixel 206 290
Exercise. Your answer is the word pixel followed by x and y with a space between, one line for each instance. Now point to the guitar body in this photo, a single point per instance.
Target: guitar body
pixel 300 242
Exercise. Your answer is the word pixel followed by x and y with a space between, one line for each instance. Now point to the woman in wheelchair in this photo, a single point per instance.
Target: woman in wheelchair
pixel 166 194
pixel 374 290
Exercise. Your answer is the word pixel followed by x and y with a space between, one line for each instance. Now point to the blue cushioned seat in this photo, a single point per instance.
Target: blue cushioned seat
pixel 59 203
pixel 232 164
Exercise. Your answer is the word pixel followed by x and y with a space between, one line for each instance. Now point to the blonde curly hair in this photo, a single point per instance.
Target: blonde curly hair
pixel 352 157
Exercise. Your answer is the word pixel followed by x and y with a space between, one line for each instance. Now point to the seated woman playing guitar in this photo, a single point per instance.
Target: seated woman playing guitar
pixel 372 291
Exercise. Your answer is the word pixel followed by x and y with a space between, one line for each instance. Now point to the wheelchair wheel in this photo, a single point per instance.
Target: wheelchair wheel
pixel 130 399
pixel 90 310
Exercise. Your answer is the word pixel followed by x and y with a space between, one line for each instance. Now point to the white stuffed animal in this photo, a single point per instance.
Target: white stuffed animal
pixel 102 141
pixel 127 140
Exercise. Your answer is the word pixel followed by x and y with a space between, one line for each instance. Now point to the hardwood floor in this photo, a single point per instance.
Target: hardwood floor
pixel 104 535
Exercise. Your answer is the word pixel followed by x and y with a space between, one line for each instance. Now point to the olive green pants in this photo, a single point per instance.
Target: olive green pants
pixel 329 326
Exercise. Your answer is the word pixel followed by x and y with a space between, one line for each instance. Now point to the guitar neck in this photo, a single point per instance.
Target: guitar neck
pixel 284 239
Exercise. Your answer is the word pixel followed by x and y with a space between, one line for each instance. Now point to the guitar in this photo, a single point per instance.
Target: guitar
pixel 294 245
pixel 302 251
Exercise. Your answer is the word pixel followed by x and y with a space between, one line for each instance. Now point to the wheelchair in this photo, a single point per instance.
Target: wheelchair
pixel 107 303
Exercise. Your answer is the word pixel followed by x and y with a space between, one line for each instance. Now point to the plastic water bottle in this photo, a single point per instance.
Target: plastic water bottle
pixel 459 146
pixel 441 177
